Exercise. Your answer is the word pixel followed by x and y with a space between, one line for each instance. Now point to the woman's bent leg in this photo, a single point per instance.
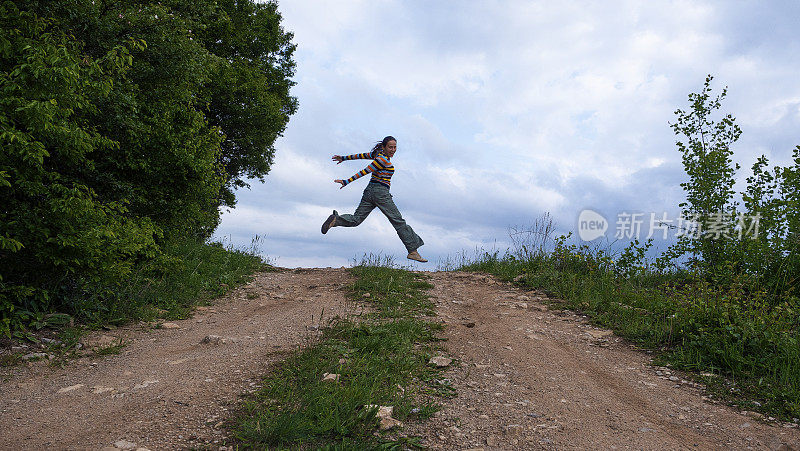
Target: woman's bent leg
pixel 410 239
pixel 361 213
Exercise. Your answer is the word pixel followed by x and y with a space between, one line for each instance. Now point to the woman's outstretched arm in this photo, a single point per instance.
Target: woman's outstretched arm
pixel 359 156
pixel 356 156
pixel 377 164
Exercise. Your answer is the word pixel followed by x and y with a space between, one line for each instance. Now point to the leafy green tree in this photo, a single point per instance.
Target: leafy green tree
pixel 707 152
pixel 221 70
pixel 57 233
pixel 124 125
pixel 248 95
pixel 773 255
pixel 757 247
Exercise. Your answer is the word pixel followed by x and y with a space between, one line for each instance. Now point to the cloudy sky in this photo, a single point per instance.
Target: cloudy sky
pixel 505 111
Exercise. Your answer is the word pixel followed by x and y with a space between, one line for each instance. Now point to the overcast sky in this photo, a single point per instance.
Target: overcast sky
pixel 507 110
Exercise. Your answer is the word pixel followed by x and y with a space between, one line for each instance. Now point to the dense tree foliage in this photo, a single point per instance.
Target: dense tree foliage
pixel 755 244
pixel 122 125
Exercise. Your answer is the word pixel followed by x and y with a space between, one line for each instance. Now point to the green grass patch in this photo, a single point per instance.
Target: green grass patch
pixel 381 359
pixel 111 349
pixel 191 273
pixel 690 324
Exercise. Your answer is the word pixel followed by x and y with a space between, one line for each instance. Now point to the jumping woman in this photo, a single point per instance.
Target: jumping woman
pixel 376 194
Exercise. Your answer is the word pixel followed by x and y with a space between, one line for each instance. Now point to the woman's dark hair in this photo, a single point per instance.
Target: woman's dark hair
pixel 379 146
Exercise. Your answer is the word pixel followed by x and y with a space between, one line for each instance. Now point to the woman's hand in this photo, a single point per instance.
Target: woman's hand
pixel 338 158
pixel 340 181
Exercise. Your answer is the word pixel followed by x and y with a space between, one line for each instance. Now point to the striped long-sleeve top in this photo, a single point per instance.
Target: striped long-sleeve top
pixel 381 167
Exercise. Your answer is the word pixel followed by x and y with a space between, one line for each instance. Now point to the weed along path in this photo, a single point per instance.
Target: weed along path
pixel 532 378
pixel 525 377
pixel 172 387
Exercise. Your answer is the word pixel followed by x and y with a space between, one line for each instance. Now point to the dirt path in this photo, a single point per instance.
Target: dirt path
pixel 528 378
pixel 166 389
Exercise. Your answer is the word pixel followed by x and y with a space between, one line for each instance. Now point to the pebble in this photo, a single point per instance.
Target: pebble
pixel 124 444
pixel 211 339
pixel 599 333
pixel 385 415
pixel 674 378
pixel 170 326
pixel 34 355
pixel 145 384
pixel 440 361
pixel 70 388
pixel 330 377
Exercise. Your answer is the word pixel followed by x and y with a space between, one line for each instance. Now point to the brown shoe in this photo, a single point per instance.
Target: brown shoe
pixel 414 255
pixel 330 222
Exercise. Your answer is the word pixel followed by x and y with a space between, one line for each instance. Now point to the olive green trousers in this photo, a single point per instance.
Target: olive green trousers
pixel 378 195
